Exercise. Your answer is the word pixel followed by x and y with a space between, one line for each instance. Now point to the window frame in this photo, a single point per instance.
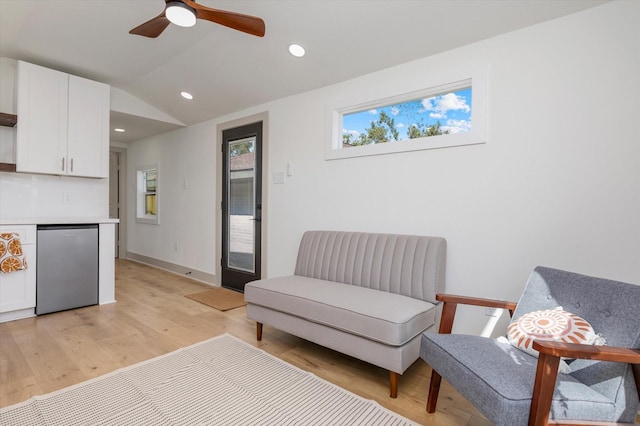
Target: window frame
pixel 447 81
pixel 141 193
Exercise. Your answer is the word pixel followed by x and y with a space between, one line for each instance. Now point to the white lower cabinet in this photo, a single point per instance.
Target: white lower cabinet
pixel 18 288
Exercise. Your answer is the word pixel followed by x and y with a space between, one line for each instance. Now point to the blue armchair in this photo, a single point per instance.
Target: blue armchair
pixel 511 387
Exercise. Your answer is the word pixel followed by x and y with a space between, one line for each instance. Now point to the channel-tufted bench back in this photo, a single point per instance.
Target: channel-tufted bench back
pixel 409 265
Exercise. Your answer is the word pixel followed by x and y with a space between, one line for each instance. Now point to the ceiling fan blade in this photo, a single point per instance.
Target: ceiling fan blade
pixel 153 27
pixel 245 23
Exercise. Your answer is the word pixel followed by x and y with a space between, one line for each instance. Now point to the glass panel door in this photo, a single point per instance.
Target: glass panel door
pixel 241 201
pixel 241 205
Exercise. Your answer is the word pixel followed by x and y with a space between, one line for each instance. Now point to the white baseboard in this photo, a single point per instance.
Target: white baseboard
pixel 16 315
pixel 194 274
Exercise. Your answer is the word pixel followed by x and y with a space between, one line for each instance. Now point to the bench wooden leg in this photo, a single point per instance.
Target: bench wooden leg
pixel 258 331
pixel 393 384
pixel 434 389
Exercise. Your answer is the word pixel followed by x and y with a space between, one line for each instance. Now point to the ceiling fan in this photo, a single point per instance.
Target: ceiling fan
pixel 185 12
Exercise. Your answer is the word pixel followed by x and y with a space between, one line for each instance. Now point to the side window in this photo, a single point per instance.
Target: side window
pixel 147 194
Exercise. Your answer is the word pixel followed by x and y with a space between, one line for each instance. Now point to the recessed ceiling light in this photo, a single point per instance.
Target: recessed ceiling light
pixel 296 50
pixel 118 130
pixel 186 95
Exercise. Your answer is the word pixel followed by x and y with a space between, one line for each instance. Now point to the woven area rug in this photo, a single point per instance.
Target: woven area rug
pixel 220 298
pixel 221 381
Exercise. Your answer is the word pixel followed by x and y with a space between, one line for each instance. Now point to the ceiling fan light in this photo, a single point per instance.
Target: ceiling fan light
pixel 180 14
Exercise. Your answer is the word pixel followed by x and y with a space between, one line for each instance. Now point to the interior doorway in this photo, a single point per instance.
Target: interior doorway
pixel 241 205
pixel 117 197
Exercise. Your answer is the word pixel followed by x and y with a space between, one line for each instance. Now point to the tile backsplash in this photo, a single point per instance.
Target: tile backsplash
pixel 25 196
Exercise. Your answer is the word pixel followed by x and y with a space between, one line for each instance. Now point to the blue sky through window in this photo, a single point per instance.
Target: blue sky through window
pixel 451 110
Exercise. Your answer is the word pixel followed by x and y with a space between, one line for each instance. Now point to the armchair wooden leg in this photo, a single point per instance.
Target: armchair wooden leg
pixel 393 384
pixel 546 375
pixel 258 331
pixel 434 389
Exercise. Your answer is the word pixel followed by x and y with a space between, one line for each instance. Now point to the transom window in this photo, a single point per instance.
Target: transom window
pixel 443 114
pixel 445 109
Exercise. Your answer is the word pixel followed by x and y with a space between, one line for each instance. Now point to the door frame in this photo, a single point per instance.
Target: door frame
pixel 264 118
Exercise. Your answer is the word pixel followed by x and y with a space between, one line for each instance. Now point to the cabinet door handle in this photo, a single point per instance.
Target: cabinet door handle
pixel 63 164
pixel 72 165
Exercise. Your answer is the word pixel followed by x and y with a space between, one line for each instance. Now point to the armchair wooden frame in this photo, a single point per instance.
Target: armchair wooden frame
pixel 548 361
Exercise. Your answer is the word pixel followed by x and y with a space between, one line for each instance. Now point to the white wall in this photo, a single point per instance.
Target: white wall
pixel 186 216
pixel 557 183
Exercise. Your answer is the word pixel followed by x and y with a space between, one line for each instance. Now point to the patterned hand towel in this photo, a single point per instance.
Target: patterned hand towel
pixel 11 254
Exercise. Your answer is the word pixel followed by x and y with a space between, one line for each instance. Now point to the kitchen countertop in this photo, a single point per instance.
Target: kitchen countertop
pixel 57 220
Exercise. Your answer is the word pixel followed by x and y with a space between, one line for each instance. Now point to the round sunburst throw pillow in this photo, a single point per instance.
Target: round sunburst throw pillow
pixel 556 325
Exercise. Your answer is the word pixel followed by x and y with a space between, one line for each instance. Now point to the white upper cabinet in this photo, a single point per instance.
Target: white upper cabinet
pixel 63 123
pixel 41 141
pixel 88 134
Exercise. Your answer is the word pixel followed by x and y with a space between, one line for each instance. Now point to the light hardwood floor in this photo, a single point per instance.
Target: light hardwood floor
pixel 152 317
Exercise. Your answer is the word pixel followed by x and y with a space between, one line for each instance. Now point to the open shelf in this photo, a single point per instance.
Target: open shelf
pixel 8 120
pixel 7 167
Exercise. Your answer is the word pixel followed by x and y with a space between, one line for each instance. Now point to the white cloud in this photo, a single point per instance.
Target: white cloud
pixel 373 111
pixel 400 125
pixel 457 126
pixel 440 105
pixel 351 132
pixel 451 101
pixel 395 110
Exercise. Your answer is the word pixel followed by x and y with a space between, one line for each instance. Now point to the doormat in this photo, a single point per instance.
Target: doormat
pixel 220 298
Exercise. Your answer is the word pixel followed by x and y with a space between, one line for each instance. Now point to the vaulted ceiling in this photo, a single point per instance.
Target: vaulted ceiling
pixel 227 70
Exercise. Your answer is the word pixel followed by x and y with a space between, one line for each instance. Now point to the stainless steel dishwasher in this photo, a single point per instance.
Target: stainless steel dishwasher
pixel 66 267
